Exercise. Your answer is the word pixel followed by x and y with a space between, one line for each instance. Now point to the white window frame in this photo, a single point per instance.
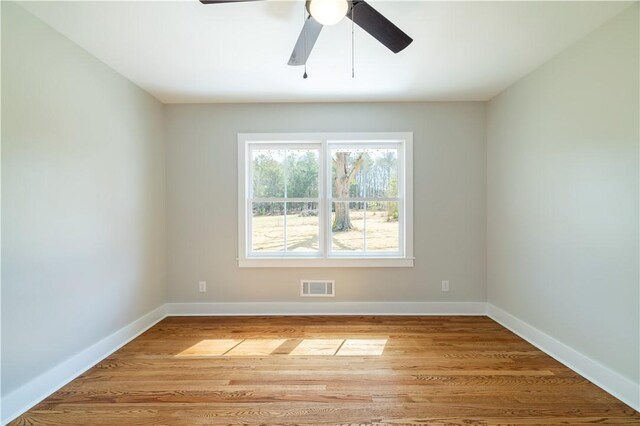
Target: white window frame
pixel 402 140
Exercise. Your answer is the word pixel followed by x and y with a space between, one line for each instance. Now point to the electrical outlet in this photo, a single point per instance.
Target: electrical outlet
pixel 445 285
pixel 202 285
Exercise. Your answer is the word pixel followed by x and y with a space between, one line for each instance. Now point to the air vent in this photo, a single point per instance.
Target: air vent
pixel 317 288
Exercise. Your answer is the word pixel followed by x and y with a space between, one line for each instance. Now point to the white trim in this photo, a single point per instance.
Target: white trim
pixel 403 141
pixel 614 383
pixel 314 137
pixel 407 206
pixel 33 392
pixel 242 191
pixel 321 262
pixel 325 308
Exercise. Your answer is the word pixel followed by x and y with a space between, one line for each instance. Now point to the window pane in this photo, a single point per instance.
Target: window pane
pixel 303 227
pixel 268 172
pixel 267 227
pixel 381 173
pixel 346 172
pixel 364 172
pixel 347 225
pixel 302 173
pixel 383 229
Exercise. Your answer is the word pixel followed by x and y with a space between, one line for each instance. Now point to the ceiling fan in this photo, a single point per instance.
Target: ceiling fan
pixel 330 12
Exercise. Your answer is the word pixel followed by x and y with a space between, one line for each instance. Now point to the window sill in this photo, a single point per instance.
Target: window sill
pixel 327 263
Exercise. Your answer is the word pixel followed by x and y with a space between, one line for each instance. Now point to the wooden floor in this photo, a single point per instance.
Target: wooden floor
pixel 329 370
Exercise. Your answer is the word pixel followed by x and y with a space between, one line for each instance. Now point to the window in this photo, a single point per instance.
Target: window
pixel 325 200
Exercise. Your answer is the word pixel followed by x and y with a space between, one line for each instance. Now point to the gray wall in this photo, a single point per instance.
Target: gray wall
pixel 562 200
pixel 449 199
pixel 83 199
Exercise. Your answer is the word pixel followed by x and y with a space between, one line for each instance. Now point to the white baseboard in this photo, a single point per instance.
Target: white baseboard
pixel 617 385
pixel 31 393
pixel 326 308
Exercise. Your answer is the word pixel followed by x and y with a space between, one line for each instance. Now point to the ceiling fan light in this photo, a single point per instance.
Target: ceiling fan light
pixel 328 12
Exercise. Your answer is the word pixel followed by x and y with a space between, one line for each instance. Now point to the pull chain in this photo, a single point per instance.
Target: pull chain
pixel 353 67
pixel 304 21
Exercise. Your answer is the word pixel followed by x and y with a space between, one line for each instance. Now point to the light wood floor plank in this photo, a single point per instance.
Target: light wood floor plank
pixel 329 370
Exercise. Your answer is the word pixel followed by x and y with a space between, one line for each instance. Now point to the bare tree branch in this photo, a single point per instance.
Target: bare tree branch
pixel 356 166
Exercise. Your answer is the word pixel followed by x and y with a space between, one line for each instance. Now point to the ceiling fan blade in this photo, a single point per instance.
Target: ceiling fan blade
pixel 306 40
pixel 224 1
pixel 378 26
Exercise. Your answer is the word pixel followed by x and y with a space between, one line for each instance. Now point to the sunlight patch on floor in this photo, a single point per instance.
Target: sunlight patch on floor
pixel 288 347
pixel 256 347
pixel 326 347
pixel 362 347
pixel 210 347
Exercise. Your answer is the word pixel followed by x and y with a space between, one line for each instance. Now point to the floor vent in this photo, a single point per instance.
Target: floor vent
pixel 317 288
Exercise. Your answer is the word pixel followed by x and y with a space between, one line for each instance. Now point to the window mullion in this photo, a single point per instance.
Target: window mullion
pixel 367 199
pixel 323 196
pixel 282 200
pixel 364 218
pixel 327 190
pixel 364 233
pixel 284 166
pixel 285 228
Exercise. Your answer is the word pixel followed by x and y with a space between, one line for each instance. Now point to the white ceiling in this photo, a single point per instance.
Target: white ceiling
pixel 188 52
